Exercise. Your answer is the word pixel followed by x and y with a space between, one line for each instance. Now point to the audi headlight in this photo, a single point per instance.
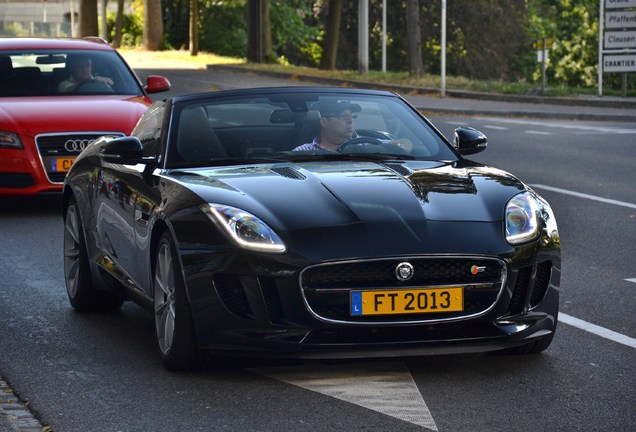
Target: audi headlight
pixel 522 218
pixel 245 229
pixel 10 140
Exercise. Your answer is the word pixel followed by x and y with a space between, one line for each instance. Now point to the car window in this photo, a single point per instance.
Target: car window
pixel 274 126
pixel 148 128
pixel 41 73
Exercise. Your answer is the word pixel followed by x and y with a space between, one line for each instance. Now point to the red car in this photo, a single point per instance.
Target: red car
pixel 56 97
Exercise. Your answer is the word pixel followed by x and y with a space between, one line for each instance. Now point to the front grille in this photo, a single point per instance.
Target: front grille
pixel 16 180
pixel 327 288
pixel 57 151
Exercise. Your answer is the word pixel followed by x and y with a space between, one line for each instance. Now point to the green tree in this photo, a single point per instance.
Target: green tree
pixel 573 24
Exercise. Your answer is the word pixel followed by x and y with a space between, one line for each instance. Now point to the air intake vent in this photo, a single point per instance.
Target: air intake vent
pixel 288 172
pixel 400 169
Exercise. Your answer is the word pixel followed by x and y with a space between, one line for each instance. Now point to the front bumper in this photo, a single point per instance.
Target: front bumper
pixel 269 316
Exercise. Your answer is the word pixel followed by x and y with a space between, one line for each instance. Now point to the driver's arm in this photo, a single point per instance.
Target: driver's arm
pixel 105 80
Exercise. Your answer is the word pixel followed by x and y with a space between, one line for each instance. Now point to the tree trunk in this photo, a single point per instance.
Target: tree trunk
pixel 119 20
pixel 414 32
pixel 332 33
pixel 259 34
pixel 153 25
pixel 268 55
pixel 88 18
pixel 194 27
pixel 103 28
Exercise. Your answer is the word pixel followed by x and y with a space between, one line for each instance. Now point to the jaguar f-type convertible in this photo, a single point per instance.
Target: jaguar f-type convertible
pixel 312 223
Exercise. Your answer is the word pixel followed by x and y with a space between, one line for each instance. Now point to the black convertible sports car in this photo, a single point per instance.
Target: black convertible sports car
pixel 233 217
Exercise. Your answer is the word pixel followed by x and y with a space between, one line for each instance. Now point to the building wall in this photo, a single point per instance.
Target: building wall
pixel 49 11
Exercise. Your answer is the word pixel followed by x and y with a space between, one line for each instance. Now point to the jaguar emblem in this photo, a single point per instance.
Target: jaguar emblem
pixel 404 271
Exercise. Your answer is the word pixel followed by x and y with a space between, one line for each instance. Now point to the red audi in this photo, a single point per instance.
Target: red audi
pixel 56 97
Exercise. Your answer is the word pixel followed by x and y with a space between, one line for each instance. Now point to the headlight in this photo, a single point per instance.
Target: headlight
pixel 245 229
pixel 10 140
pixel 522 218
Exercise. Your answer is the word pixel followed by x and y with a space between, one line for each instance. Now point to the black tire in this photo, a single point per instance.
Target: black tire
pixel 77 271
pixel 174 328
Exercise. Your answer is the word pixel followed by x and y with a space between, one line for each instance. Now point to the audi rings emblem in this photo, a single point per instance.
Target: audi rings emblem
pixel 77 145
pixel 404 271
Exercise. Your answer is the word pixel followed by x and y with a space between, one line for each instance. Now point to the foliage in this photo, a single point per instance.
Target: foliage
pixel 487 40
pixel 176 22
pixel 574 27
pixel 295 32
pixel 222 27
pixel 132 25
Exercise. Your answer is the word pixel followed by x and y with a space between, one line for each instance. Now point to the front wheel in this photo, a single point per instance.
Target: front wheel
pixel 79 285
pixel 174 328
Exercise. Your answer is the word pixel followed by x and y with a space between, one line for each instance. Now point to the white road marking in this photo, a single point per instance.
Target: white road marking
pixel 495 127
pixel 456 123
pixel 561 125
pixel 631 280
pixel 386 387
pixel 586 196
pixel 597 330
pixel 533 132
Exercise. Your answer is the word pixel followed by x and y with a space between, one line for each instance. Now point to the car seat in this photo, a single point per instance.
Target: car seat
pixel 196 141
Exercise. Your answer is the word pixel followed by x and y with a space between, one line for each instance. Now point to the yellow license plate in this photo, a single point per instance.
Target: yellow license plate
pixel 405 301
pixel 62 164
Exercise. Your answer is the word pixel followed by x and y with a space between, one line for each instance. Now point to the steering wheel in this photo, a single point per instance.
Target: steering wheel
pixel 93 86
pixel 359 140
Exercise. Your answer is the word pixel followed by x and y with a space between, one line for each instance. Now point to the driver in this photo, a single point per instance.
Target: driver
pixel 336 125
pixel 81 72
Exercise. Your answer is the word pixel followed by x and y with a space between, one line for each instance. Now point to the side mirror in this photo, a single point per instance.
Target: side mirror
pixel 156 84
pixel 469 141
pixel 125 150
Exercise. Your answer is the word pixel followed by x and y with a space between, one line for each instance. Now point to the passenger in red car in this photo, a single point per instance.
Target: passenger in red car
pixel 81 72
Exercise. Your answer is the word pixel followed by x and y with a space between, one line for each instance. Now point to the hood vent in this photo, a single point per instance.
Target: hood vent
pixel 402 170
pixel 288 172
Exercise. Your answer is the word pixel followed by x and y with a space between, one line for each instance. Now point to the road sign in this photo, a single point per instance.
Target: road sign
pixel 622 19
pixel 613 4
pixel 538 44
pixel 620 39
pixel 619 63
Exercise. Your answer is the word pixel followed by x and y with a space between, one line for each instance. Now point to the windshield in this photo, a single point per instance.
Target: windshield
pixel 299 127
pixel 59 72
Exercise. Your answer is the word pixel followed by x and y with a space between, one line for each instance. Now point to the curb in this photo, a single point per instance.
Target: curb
pixel 16 412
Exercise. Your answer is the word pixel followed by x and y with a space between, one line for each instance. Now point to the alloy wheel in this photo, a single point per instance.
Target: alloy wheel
pixel 72 245
pixel 164 298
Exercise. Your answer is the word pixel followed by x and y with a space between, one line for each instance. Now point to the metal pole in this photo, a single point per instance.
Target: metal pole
pixel 363 37
pixel 72 19
pixel 543 56
pixel 443 71
pixel 383 36
pixel 601 23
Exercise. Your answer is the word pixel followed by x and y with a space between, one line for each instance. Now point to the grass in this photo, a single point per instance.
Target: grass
pixel 428 81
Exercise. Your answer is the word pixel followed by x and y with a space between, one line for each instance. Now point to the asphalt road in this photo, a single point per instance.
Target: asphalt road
pixel 100 372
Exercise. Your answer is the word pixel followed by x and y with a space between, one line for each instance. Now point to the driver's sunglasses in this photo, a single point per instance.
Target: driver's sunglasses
pixel 343 117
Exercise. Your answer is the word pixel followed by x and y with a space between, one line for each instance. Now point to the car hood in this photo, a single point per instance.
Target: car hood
pixel 315 195
pixel 30 116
